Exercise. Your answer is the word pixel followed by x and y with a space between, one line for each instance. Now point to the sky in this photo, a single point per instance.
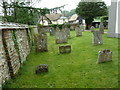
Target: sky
pixel 71 4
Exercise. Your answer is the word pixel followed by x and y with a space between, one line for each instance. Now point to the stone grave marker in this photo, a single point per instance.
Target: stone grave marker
pixel 67 31
pixel 63 36
pixel 92 28
pixel 82 27
pixel 60 36
pixel 104 56
pixel 101 28
pixel 41 43
pixel 97 38
pixel 65 49
pixel 78 30
pixel 52 31
pixel 41 68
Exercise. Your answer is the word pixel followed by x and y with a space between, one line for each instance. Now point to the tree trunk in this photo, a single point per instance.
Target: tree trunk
pixel 88 26
pixel 88 22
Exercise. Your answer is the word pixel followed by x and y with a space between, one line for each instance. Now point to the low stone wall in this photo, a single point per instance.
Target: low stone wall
pixel 15 45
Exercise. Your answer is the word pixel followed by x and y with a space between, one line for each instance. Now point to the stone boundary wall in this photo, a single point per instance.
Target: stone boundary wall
pixel 15 45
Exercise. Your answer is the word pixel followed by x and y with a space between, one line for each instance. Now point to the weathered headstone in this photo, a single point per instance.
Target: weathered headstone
pixel 101 28
pixel 52 31
pixel 81 27
pixel 41 43
pixel 78 31
pixel 92 28
pixel 65 49
pixel 97 38
pixel 63 35
pixel 41 68
pixel 60 36
pixel 67 32
pixel 104 56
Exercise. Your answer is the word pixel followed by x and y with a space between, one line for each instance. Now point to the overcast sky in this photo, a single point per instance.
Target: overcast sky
pixel 71 4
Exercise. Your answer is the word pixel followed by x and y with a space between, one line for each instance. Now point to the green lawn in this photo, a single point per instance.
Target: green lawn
pixel 79 69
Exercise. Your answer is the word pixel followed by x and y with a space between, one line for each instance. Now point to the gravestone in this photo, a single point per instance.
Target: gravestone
pixel 52 31
pixel 60 36
pixel 92 28
pixel 65 49
pixel 101 28
pixel 41 68
pixel 78 30
pixel 63 35
pixel 97 38
pixel 82 27
pixel 104 56
pixel 41 43
pixel 67 32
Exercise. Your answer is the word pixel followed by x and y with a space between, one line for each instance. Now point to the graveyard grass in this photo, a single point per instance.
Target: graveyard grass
pixel 78 69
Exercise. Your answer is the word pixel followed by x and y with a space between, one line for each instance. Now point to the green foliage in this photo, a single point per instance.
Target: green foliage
pixel 39 25
pixel 91 10
pixel 60 26
pixel 104 18
pixel 69 13
pixel 68 25
pixel 21 12
pixel 78 69
pixel 54 25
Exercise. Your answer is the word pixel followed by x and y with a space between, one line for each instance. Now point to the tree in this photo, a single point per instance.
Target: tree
pixel 69 13
pixel 23 12
pixel 91 10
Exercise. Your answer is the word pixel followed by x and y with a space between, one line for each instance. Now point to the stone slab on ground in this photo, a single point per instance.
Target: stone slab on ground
pixel 41 68
pixel 104 56
pixel 65 49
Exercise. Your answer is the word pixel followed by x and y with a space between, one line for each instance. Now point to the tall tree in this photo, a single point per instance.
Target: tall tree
pixel 91 10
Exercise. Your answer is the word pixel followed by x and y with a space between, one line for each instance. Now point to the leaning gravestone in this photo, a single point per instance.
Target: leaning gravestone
pixel 101 28
pixel 41 43
pixel 104 56
pixel 78 31
pixel 97 38
pixel 65 49
pixel 41 68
